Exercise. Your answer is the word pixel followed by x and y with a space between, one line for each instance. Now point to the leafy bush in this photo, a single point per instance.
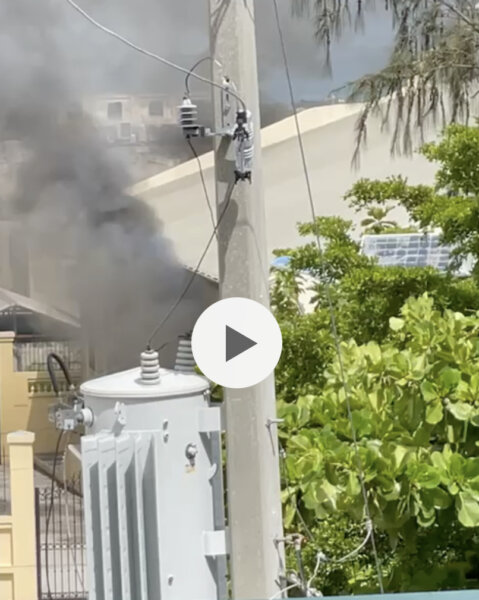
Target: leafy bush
pixel 415 407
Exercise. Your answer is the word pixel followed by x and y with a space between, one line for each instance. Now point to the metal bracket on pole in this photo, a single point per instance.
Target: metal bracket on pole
pixel 270 422
pixel 209 420
pixel 214 543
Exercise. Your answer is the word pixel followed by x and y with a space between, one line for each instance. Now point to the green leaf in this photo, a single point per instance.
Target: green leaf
pixel 471 468
pixel 434 412
pixel 449 377
pixel 427 476
pixel 460 410
pixel 400 454
pixel 428 391
pixel 288 514
pixel 353 487
pixel 301 442
pixel 467 505
pixel 396 324
pixel 436 498
pixel 326 492
pixel 439 461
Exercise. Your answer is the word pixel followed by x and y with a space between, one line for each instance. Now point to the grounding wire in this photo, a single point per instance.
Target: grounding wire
pixel 150 54
pixel 195 66
pixel 334 330
pixel 322 558
pixel 203 182
pixel 279 593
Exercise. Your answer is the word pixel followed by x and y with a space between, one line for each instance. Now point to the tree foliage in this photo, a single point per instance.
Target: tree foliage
pixel 415 409
pixel 433 68
pixel 409 347
pixel 452 204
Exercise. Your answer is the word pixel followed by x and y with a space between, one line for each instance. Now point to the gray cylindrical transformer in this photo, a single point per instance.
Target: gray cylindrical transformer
pixel 152 484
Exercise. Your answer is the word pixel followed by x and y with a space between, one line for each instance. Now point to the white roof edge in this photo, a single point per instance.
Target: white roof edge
pixel 309 120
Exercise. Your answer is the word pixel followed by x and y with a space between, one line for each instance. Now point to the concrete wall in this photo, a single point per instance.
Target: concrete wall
pixel 328 135
pixel 18 569
pixel 24 401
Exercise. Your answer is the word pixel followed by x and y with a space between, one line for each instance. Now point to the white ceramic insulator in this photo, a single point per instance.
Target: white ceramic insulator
pixel 185 362
pixel 150 367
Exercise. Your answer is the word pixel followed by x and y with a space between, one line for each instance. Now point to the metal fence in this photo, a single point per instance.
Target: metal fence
pixel 32 356
pixel 61 555
pixel 4 483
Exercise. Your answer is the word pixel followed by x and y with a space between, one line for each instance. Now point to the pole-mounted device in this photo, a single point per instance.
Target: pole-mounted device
pixel 240 132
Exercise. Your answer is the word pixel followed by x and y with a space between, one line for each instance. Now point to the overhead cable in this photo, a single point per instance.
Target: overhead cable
pixel 148 53
pixel 195 272
pixel 203 182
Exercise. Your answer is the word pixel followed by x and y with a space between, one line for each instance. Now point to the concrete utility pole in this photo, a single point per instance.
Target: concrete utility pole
pixel 253 481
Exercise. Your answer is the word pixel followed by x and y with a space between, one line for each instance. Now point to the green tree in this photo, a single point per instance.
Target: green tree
pixel 432 70
pixel 376 221
pixel 411 368
pixel 452 204
pixel 415 407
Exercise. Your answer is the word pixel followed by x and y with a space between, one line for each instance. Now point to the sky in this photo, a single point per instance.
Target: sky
pixel 178 29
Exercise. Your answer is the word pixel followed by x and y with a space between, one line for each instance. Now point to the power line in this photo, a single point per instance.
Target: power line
pixel 192 278
pixel 195 66
pixel 334 329
pixel 203 182
pixel 161 59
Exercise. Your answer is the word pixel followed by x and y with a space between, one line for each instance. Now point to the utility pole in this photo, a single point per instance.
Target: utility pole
pixel 253 480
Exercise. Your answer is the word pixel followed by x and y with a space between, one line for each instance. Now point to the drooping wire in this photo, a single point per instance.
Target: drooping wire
pixel 192 278
pixel 322 558
pixel 195 66
pixel 53 357
pixel 146 52
pixel 203 182
pixel 49 514
pixel 279 593
pixel 334 330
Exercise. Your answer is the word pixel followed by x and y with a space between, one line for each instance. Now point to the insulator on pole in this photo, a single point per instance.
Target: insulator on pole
pixel 188 118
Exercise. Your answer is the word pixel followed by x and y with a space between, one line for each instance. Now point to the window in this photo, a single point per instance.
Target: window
pixel 115 110
pixel 156 108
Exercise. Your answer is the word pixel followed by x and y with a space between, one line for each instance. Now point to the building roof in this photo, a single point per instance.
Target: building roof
pixel 10 301
pixel 178 198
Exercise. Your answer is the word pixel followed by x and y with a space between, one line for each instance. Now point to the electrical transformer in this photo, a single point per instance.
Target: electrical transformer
pixel 152 481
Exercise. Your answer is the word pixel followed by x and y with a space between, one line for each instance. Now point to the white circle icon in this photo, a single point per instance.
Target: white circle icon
pixel 236 342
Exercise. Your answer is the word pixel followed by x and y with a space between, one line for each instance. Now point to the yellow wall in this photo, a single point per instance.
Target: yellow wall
pixel 24 400
pixel 18 569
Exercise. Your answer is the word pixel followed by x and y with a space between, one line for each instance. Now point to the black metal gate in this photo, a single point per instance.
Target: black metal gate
pixel 61 556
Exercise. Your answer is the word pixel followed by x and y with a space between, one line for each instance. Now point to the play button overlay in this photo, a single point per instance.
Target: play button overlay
pixel 236 342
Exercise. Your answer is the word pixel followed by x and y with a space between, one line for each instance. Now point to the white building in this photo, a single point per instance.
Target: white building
pixel 178 198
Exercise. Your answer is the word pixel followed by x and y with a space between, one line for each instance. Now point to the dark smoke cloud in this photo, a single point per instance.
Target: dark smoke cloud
pixel 70 197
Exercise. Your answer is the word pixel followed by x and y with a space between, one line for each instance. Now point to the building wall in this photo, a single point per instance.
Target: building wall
pixel 129 118
pixel 18 569
pixel 24 401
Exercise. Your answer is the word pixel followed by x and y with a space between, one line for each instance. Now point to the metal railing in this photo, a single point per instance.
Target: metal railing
pixel 32 356
pixel 61 555
pixel 5 504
